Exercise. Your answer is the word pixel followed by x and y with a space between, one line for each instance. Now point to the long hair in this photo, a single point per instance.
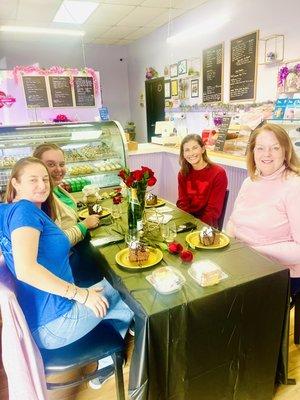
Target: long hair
pixel 48 206
pixel 40 150
pixel 291 159
pixel 185 166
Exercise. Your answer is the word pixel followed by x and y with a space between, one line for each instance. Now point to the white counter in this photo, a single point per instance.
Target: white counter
pixel 219 158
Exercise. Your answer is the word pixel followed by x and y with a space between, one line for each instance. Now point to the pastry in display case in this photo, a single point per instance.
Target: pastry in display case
pixel 94 151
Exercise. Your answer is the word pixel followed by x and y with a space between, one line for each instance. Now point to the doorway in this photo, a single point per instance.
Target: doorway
pixel 155 103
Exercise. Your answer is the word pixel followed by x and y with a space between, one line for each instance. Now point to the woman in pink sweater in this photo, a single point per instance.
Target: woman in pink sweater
pixel 201 184
pixel 266 212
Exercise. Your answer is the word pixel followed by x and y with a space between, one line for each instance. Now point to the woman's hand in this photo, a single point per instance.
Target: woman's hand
pixel 93 300
pixel 92 221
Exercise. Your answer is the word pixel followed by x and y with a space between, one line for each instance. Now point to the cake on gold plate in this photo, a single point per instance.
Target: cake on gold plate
pixel 151 199
pixel 207 236
pixel 138 252
pixel 95 209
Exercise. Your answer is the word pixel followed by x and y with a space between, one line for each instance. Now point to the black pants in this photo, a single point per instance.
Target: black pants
pixel 295 286
pixel 86 263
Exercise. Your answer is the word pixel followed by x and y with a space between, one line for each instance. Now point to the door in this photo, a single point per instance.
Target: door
pixel 155 103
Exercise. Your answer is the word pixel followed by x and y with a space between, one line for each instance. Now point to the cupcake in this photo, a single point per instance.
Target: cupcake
pixel 138 252
pixel 151 199
pixel 207 236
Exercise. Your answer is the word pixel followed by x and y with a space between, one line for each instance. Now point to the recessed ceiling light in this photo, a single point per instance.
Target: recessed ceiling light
pixel 75 12
pixel 43 31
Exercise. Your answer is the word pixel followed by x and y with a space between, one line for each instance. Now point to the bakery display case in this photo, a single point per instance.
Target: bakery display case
pixel 292 126
pixel 94 151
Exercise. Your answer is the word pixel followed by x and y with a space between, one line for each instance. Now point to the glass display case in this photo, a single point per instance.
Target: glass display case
pixel 94 151
pixel 292 126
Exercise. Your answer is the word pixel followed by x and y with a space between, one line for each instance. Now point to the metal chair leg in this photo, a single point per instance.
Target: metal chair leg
pixel 118 362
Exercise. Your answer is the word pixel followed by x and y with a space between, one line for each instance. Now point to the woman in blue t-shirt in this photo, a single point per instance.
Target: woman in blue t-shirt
pixel 37 253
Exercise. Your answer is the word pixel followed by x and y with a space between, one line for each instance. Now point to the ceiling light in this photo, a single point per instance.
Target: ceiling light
pixel 43 31
pixel 75 12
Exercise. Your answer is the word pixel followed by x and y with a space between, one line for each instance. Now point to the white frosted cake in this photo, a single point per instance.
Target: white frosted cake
pixel 206 272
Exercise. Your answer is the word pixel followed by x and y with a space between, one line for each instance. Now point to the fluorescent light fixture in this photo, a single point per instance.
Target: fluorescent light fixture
pixel 75 12
pixel 43 31
pixel 208 26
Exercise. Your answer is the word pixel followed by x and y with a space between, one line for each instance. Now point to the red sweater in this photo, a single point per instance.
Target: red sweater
pixel 201 193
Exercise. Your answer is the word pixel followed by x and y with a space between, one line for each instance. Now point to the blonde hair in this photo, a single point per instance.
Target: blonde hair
pixel 291 159
pixel 185 166
pixel 42 148
pixel 48 206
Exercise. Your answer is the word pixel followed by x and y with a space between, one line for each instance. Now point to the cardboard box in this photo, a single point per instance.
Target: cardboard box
pixel 132 146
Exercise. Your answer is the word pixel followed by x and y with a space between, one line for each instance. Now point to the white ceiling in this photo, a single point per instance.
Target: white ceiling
pixel 116 22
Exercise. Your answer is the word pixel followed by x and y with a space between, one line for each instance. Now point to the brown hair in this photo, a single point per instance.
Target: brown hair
pixel 42 148
pixel 291 159
pixel 48 206
pixel 185 166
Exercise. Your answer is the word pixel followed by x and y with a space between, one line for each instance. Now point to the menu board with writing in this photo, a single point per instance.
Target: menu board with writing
pixel 243 65
pixel 61 92
pixel 223 130
pixel 84 91
pixel 212 67
pixel 35 91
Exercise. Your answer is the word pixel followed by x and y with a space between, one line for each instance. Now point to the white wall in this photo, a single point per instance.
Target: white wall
pixel 105 59
pixel 241 17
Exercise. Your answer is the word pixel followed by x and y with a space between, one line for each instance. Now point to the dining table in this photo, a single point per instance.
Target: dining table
pixel 228 341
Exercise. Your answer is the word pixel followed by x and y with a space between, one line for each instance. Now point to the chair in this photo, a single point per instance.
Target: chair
pixel 297 318
pixel 101 342
pixel 23 362
pixel 221 217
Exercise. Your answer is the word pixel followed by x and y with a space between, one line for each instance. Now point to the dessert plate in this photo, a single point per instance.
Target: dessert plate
pixel 193 240
pixel 122 258
pixel 160 202
pixel 83 214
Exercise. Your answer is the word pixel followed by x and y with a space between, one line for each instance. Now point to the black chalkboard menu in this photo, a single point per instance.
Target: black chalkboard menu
pixel 84 91
pixel 223 130
pixel 212 73
pixel 61 92
pixel 243 64
pixel 35 91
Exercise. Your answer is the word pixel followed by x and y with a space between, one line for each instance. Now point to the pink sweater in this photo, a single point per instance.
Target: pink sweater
pixel 266 216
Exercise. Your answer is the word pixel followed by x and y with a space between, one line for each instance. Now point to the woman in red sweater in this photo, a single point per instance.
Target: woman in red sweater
pixel 201 184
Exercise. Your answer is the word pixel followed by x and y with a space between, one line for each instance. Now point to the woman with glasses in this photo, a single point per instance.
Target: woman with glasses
pixel 266 213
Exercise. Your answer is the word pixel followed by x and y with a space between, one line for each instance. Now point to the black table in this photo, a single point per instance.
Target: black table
pixel 227 341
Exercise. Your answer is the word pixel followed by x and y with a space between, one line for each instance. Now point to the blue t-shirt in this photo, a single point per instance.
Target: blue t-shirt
pixel 39 307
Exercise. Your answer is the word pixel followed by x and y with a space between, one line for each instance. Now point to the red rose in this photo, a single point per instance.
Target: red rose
pixel 186 256
pixel 129 181
pixel 122 174
pixel 151 181
pixel 175 248
pixel 117 199
pixel 138 175
pixel 148 171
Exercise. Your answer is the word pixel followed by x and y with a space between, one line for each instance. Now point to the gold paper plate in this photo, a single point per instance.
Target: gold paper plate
pixel 160 202
pixel 194 241
pixel 83 214
pixel 122 258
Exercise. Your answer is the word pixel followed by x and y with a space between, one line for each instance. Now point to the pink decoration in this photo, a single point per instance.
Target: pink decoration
pixel 6 100
pixel 55 70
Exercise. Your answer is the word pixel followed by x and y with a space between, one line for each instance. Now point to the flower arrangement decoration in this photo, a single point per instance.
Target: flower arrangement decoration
pixel 284 72
pixel 151 73
pixel 138 178
pixel 185 254
pixel 61 118
pixel 218 121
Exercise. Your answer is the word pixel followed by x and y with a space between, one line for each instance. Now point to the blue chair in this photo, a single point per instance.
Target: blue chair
pixel 101 342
